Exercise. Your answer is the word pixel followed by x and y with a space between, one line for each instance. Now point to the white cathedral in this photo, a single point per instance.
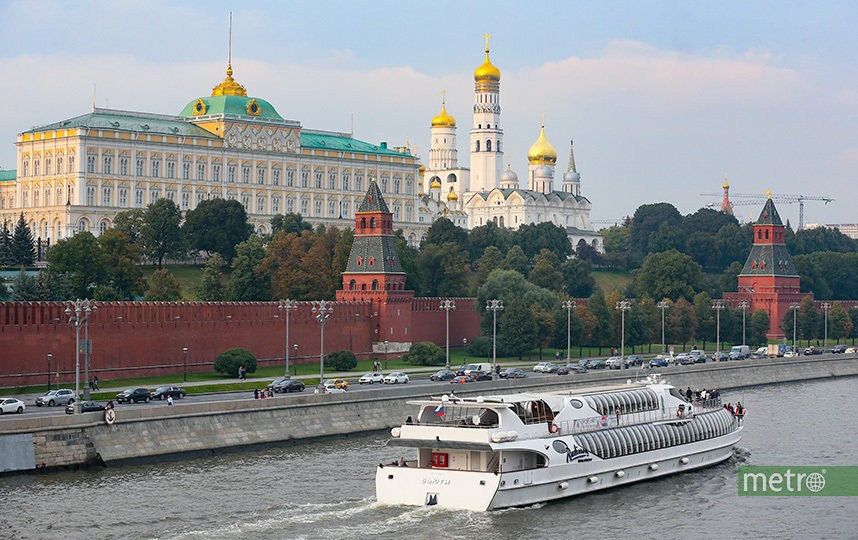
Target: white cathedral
pixel 486 192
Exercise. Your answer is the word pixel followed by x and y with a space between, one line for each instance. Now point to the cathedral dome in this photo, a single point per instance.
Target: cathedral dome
pixel 509 176
pixel 229 97
pixel 543 171
pixel 443 119
pixel 435 184
pixel 452 197
pixel 542 152
pixel 487 72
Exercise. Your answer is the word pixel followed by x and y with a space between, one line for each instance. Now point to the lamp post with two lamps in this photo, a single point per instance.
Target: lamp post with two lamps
pixel 663 305
pixel 295 365
pixel 794 307
pixel 718 306
pixel 825 307
pixel 185 370
pixel 78 313
pixel 49 371
pixel 494 306
pixel 385 354
pixel 446 305
pixel 623 306
pixel 568 305
pixel 323 311
pixel 744 305
pixel 287 306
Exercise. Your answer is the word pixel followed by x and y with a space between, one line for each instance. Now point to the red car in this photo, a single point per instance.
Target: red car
pixel 461 379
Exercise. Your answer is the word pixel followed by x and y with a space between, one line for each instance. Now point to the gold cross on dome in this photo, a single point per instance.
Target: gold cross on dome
pixel 487 36
pixel 443 97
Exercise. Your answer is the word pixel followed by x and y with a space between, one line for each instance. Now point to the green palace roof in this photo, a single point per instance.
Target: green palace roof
pixel 235 105
pixel 6 176
pixel 109 119
pixel 342 143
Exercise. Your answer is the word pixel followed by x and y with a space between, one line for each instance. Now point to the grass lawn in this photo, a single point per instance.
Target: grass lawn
pixel 612 280
pixel 188 276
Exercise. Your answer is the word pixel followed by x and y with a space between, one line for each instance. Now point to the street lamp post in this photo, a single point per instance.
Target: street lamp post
pixel 287 306
pixel 447 305
pixel 568 305
pixel 49 371
pixel 78 313
pixel 385 355
pixel 794 307
pixel 623 306
pixel 465 355
pixel 185 370
pixel 663 305
pixel 494 306
pixel 323 310
pixel 718 305
pixel 295 365
pixel 744 305
pixel 825 307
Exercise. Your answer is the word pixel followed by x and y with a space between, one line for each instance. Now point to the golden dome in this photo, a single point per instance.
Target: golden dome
pixel 421 170
pixel 487 71
pixel 542 152
pixel 435 184
pixel 229 87
pixel 452 196
pixel 443 119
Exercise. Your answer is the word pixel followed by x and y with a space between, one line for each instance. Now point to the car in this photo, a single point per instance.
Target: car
pixel 571 368
pixel 635 359
pixel 85 406
pixel 465 368
pixel 757 356
pixel 656 362
pixel 338 383
pixel 461 379
pixel 442 375
pixel 790 354
pixel 851 350
pixel 62 396
pixel 330 388
pixel 133 395
pixel 839 349
pixel 276 382
pixel 512 373
pixel 813 350
pixel 12 405
pixel 286 386
pixel 545 367
pixel 696 353
pixel 480 375
pixel 684 359
pixel 163 392
pixel 396 377
pixel 370 378
pixel 616 362
pixel 720 356
pixel 597 364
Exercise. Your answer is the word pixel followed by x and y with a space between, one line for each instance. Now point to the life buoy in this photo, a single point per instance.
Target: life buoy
pixel 679 413
pixel 553 428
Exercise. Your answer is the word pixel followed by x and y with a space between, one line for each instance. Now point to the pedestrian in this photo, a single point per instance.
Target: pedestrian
pixel 90 384
pixel 95 382
pixel 688 394
pixel 170 400
pixel 618 415
pixel 255 393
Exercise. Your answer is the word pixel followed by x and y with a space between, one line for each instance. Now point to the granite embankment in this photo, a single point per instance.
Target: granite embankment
pixel 68 441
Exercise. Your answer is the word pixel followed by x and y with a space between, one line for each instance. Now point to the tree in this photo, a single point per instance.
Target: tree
pixel 516 328
pixel 22 248
pixel 516 260
pixel 161 234
pixel 808 319
pixel 853 316
pixel 486 236
pixel 248 281
pixel 546 271
pixel 217 225
pixel 729 279
pixel 508 285
pixel 211 287
pixel 545 235
pixel 163 287
pixel 425 353
pixel 229 361
pixel 480 346
pixel 121 258
pixel 598 308
pixel 669 274
pixel 341 360
pixel 545 327
pixel 443 231
pixel 6 258
pixel 81 262
pixel 759 327
pixel 615 239
pixel 131 223
pixel 25 288
pixel 701 246
pixel 839 323
pixel 408 261
pixel 444 269
pixel 681 322
pixel 647 220
pixel 667 237
pixel 578 280
pixel 707 220
pixel 289 223
pixel 705 317
pixel 492 259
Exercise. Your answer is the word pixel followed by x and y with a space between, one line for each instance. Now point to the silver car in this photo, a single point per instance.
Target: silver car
pixel 11 405
pixel 56 397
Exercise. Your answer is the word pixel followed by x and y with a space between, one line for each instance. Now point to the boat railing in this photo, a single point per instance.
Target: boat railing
pixel 684 411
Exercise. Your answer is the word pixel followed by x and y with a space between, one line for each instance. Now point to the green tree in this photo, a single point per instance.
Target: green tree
pixel 759 328
pixel 669 274
pixel 6 258
pixel 161 234
pixel 121 259
pixel 734 244
pixel 81 262
pixel 577 278
pixel 211 287
pixel 681 322
pixel 567 322
pixel 229 361
pixel 486 236
pixel 22 247
pixel 808 320
pixel 217 225
pixel 248 281
pixel 598 308
pixel 425 353
pixel 408 261
pixel 516 260
pixel 853 316
pixel 341 360
pixel 729 279
pixel 701 246
pixel 289 223
pixel 707 220
pixel 443 231
pixel 667 237
pixel 705 317
pixel 162 287
pixel 839 323
pixel 546 271
pixel 480 346
pixel 492 259
pixel 545 327
pixel 545 235
pixel 646 221
pixel 615 239
pixel 516 328
pixel 444 269
pixel 25 288
pixel 131 223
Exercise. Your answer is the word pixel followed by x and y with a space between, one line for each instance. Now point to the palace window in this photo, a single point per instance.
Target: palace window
pixel 345 181
pixel 156 168
pixel 488 146
pixel 171 195
pixel 290 205
pixel 201 171
pixel 290 178
pixel 318 208
pixel 305 207
pixel 90 196
pixel 332 209
pixel 123 166
pixel 25 168
pixel 25 197
pixel 171 169
pixel 186 200
pixel 245 202
pixel 275 176
pixel 230 174
pixel 71 164
pixel 154 194
pixel 384 184
pixel 35 197
pixel 245 174
pixel 106 195
pixel 359 182
pixel 140 165
pixel 108 163
pixel 123 197
pixel 260 176
pixel 37 167
pixel 396 183
pixel 275 205
pixel 47 197
pixel 200 197
pixel 478 146
pixel 102 227
pixel 216 172
pixel 59 196
pixel 344 209
pixel 90 164
pixel 409 187
pixel 305 177
pixel 318 178
pixel 48 166
pixel 186 171
pixel 138 198
pixel 260 205
pixel 332 180
pixel 408 211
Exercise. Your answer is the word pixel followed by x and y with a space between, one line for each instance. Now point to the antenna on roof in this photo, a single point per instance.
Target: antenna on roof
pixel 352 134
pixel 93 97
pixel 230 39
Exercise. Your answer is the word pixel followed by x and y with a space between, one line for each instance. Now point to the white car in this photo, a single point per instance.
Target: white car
pixel 12 405
pixel 544 367
pixel 330 388
pixel 851 350
pixel 369 378
pixel 396 377
pixel 790 354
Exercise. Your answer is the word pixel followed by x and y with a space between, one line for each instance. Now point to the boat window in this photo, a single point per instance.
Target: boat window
pixel 675 393
pixel 576 403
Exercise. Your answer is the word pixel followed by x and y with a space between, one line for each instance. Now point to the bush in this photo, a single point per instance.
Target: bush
pixel 229 361
pixel 342 360
pixel 481 346
pixel 425 353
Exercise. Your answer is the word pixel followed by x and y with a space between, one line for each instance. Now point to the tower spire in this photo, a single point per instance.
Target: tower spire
pixel 229 57
pixel 726 206
pixel 571 157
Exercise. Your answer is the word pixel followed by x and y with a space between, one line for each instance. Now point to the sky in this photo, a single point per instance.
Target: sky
pixel 663 99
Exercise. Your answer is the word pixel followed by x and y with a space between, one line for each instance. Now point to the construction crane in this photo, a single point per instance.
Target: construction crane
pixel 749 199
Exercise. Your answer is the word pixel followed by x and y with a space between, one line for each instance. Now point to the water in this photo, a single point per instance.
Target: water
pixel 326 490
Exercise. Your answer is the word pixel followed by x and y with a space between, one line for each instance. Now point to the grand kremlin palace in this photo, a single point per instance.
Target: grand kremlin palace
pixel 77 174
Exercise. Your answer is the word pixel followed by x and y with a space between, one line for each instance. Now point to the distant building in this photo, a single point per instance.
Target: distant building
pixel 849 229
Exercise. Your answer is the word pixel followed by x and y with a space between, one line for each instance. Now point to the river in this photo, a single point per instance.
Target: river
pixel 325 490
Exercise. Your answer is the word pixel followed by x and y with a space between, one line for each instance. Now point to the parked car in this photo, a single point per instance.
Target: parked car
pixel 287 385
pixel 656 362
pixel 684 359
pixel 696 353
pixel 466 368
pixel 545 367
pixel 163 392
pixel 480 375
pixel 340 383
pixel 635 359
pixel 720 356
pixel 329 388
pixel 85 406
pixel 571 368
pixel 370 378
pixel 442 375
pixel 12 405
pixel 512 373
pixel 615 362
pixel 839 349
pixel 461 379
pixel 813 350
pixel 790 354
pixel 757 356
pixel 597 364
pixel 740 352
pixel 851 350
pixel 396 377
pixel 133 395
pixel 62 396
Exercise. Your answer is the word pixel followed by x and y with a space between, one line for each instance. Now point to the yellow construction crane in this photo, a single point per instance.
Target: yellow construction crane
pixel 755 199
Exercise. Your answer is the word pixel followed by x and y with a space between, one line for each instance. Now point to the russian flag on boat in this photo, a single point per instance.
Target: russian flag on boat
pixel 440 410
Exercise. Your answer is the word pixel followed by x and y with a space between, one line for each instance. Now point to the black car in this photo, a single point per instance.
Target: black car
pixel 512 373
pixel 85 406
pixel 813 350
pixel 478 375
pixel 442 375
pixel 839 349
pixel 287 385
pixel 133 395
pixel 597 364
pixel 163 392
pixel 635 359
pixel 571 368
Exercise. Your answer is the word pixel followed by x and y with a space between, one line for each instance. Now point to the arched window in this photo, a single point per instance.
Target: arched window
pixel 478 146
pixel 352 285
pixel 488 146
pixel 759 234
pixel 375 284
pixel 372 223
pixel 767 234
pixel 372 261
pixel 501 221
pixel 359 261
pixel 363 223
pixel 363 286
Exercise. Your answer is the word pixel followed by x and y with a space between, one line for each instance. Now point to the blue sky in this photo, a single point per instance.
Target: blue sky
pixel 662 98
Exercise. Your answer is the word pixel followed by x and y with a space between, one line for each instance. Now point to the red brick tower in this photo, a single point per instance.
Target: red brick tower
pixel 726 206
pixel 373 273
pixel 769 279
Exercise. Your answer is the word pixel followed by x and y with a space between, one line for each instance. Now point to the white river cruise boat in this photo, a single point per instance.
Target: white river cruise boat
pixel 490 452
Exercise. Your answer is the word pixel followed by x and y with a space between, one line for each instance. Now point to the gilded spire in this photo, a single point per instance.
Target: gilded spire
pixel 229 87
pixel 444 119
pixel 487 72
pixel 571 157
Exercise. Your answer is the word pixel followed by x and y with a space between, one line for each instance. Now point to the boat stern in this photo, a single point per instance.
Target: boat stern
pixel 414 486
